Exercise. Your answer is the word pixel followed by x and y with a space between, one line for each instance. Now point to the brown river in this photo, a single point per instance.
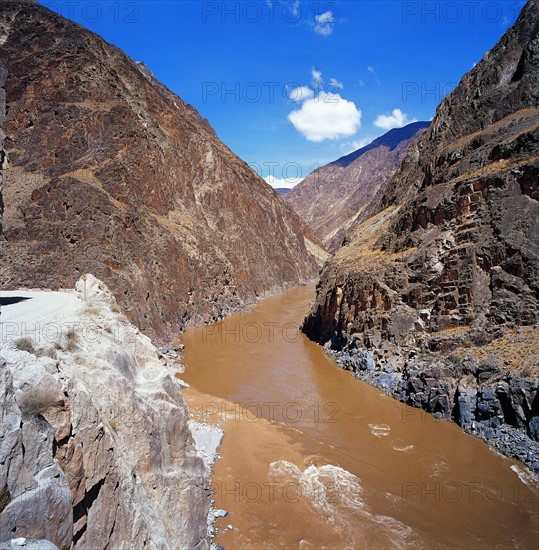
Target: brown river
pixel 313 458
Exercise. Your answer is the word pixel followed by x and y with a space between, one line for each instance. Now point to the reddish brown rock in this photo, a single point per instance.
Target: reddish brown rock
pixel 111 173
pixel 3 76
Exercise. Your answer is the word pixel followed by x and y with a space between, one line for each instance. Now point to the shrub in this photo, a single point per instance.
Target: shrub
pixel 25 344
pixel 72 340
pixel 37 399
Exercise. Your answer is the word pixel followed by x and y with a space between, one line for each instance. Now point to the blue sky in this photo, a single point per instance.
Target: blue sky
pixel 291 85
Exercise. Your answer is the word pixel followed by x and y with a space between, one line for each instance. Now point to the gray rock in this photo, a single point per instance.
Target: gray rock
pixel 27 544
pixel 534 428
pixel 99 454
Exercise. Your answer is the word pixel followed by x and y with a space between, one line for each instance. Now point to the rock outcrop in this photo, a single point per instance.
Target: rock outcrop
pixel 3 76
pixel 339 196
pixel 435 298
pixel 111 172
pixel 95 447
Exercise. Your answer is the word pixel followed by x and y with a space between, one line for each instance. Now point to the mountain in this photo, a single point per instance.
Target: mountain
pixel 111 173
pixel 435 299
pixel 282 190
pixel 335 198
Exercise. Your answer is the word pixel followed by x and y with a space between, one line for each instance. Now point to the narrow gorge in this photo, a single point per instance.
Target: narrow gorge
pixel 196 353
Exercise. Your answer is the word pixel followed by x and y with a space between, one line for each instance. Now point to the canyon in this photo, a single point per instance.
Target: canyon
pixel 109 172
pixel 138 253
pixel 434 299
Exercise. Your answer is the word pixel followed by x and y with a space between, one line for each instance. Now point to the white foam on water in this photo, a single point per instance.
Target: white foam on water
pixel 330 487
pixel 526 476
pixel 434 464
pixel 394 500
pixel 401 447
pixel 380 430
pixel 338 496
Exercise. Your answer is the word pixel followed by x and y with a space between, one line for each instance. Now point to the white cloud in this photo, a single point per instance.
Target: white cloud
pixel 287 183
pixel 324 23
pixel 326 116
pixel 301 93
pixel 324 18
pixel 397 119
pixel 350 147
pixel 334 83
pixel 316 75
pixel 371 70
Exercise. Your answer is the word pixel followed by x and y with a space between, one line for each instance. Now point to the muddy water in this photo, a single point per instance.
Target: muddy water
pixel 313 458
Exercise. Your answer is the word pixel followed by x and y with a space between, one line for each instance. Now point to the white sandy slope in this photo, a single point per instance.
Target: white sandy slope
pixel 124 449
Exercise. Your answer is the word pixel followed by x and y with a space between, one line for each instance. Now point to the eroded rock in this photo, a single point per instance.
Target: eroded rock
pixel 337 197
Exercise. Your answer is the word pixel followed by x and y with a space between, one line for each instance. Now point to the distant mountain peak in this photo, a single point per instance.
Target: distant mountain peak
pixel 336 197
pixel 390 140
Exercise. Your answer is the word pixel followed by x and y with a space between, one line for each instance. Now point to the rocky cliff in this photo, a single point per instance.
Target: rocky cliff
pixel 339 196
pixel 95 448
pixel 435 298
pixel 111 172
pixel 3 76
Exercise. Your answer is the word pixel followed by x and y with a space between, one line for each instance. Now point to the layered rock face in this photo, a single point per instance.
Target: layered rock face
pixel 112 173
pixel 339 196
pixel 435 298
pixel 95 448
pixel 3 76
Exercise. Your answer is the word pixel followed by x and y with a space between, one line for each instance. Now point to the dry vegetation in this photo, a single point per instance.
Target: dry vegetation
pixel 37 399
pixel 496 128
pixel 72 339
pixel 25 344
pixel 517 349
